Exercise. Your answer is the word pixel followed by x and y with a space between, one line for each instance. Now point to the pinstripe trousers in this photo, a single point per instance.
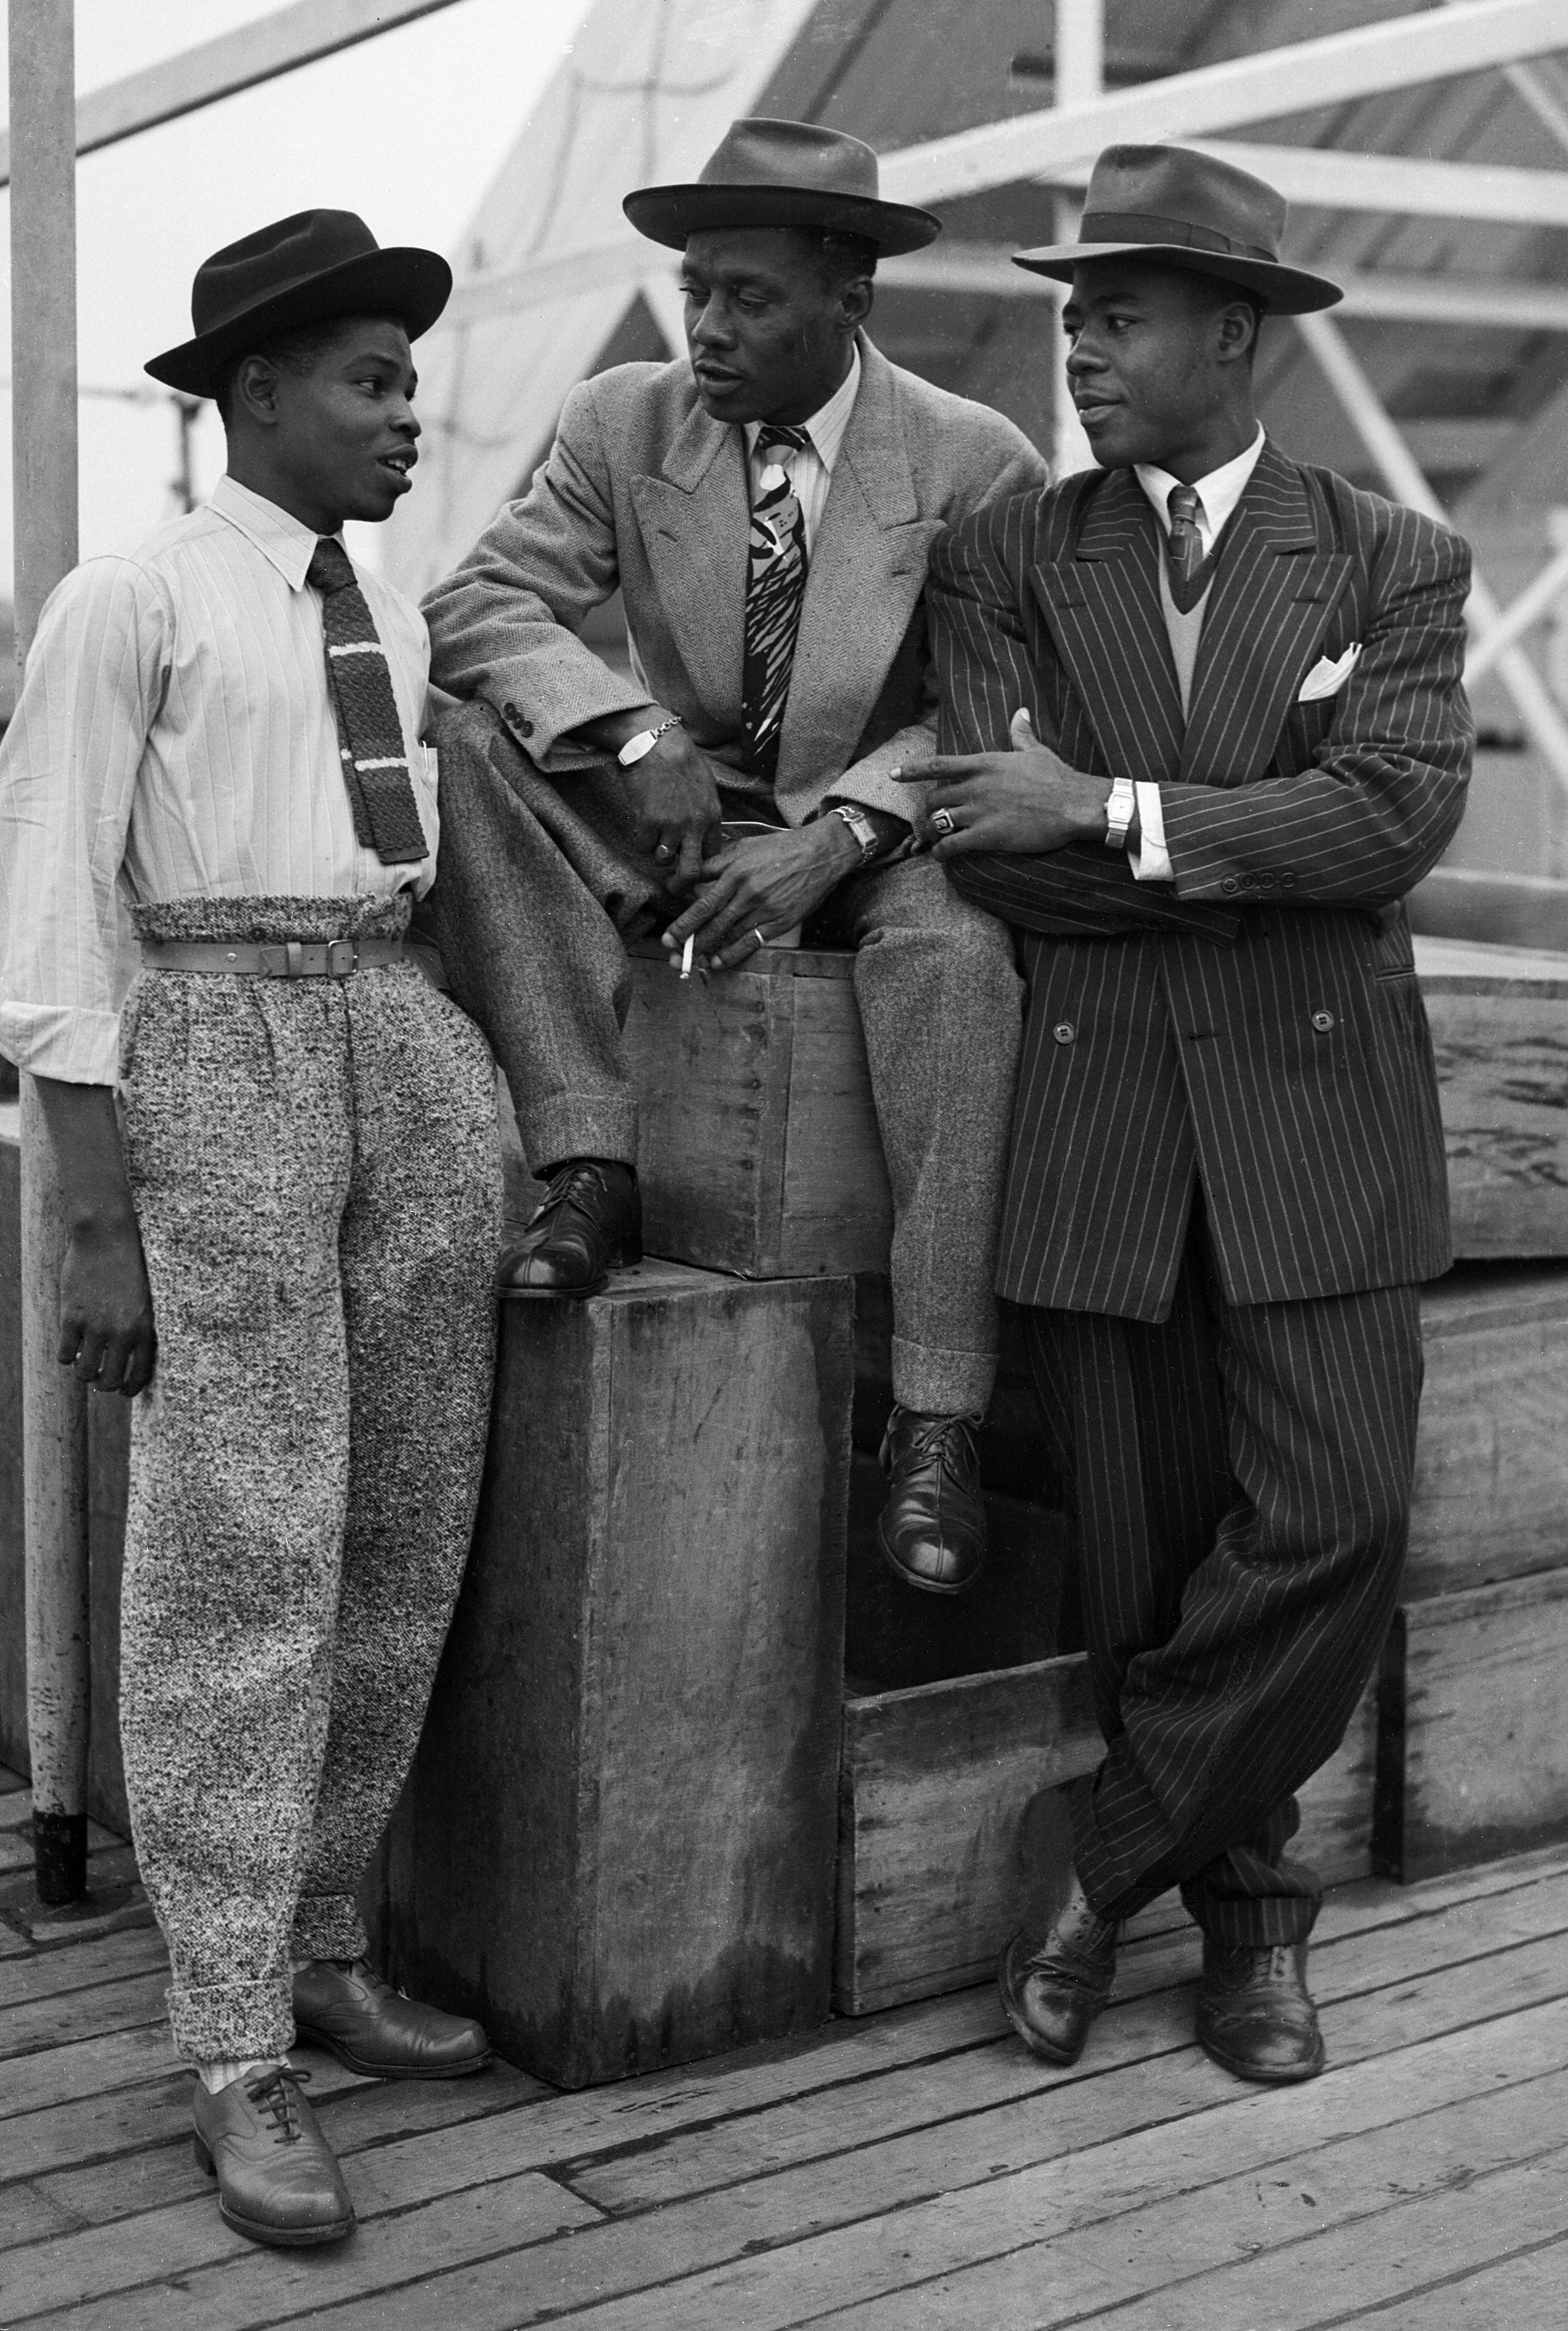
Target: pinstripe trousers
pixel 1243 1478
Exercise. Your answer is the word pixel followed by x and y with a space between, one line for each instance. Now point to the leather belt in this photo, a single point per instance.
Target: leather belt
pixel 282 959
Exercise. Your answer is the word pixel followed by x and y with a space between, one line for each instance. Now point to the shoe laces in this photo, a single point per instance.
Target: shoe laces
pixel 275 2094
pixel 578 1182
pixel 949 1439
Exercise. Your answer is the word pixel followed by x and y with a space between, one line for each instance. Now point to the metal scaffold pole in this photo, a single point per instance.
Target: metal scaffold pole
pixel 41 35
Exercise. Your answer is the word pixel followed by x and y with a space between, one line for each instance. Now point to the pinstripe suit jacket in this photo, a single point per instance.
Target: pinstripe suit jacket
pixel 1257 1026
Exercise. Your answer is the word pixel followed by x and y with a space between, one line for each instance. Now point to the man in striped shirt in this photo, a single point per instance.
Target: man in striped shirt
pixel 276 1150
pixel 1226 1176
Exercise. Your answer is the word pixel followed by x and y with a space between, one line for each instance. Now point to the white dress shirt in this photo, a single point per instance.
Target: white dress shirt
pixel 1218 495
pixel 811 471
pixel 175 739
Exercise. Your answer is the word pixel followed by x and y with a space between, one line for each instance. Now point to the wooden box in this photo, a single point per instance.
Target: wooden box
pixel 934 1829
pixel 1473 1752
pixel 617 1844
pixel 759 1152
pixel 1500 1022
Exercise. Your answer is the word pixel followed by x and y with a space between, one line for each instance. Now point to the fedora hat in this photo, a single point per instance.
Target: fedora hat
pixel 783 174
pixel 305 270
pixel 1182 209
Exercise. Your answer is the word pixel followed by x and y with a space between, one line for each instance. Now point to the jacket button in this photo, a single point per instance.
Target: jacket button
pixel 1064 1031
pixel 1323 1022
pixel 514 720
pixel 1288 882
pixel 1268 881
pixel 1229 884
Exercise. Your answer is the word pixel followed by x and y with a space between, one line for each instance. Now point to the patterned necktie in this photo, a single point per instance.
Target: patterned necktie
pixel 1190 570
pixel 776 585
pixel 369 732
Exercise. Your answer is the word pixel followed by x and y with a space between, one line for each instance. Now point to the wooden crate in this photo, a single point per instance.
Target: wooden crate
pixel 1500 1035
pixel 1473 1752
pixel 934 1827
pixel 617 1844
pixel 759 1151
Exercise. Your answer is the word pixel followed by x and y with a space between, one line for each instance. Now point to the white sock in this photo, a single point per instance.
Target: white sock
pixel 224 2070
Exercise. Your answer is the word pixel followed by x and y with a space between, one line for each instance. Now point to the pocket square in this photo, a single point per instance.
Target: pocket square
pixel 1327 676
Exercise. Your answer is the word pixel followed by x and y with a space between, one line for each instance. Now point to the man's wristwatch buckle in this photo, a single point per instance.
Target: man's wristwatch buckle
pixel 1119 812
pixel 633 750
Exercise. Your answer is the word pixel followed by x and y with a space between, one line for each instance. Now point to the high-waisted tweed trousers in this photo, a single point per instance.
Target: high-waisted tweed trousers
pixel 316 1174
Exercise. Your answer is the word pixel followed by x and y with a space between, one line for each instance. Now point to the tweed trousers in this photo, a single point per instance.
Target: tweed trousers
pixel 1243 1478
pixel 315 1174
pixel 539 885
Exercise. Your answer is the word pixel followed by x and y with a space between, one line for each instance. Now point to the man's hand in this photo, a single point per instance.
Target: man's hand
pixel 761 887
pixel 676 789
pixel 1027 800
pixel 107 1335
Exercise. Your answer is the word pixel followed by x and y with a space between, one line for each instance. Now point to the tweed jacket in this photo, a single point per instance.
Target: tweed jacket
pixel 642 490
pixel 1257 1028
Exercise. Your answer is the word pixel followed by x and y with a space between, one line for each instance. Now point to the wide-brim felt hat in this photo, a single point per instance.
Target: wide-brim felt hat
pixel 1170 205
pixel 783 174
pixel 303 269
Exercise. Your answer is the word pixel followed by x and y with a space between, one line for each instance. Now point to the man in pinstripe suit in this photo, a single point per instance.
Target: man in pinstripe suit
pixel 1227 1173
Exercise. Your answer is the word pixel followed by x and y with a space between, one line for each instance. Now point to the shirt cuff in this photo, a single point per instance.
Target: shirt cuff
pixel 1153 862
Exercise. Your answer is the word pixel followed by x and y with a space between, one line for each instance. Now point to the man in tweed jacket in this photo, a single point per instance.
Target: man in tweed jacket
pixel 1227 1175
pixel 582 807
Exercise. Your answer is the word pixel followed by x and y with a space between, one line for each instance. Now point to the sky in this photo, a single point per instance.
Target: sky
pixel 408 129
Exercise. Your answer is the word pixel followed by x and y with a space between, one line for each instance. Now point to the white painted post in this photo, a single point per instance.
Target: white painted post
pixel 44 469
pixel 1079 59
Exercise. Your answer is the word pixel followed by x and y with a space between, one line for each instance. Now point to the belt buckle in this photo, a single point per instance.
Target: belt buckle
pixel 342 958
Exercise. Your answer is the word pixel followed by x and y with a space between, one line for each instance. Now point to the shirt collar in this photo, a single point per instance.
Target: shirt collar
pixel 827 425
pixel 283 541
pixel 1218 493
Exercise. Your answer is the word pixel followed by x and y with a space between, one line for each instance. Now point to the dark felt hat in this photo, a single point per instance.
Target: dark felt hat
pixel 305 270
pixel 1182 209
pixel 783 174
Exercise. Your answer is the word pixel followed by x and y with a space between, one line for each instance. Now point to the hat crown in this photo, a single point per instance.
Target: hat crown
pixel 1170 193
pixel 275 260
pixel 799 155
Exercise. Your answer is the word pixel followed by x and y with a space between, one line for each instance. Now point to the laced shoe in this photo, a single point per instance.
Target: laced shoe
pixel 278 2178
pixel 344 2006
pixel 932 1530
pixel 590 1223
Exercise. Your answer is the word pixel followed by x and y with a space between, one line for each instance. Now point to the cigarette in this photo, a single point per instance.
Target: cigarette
pixel 685 955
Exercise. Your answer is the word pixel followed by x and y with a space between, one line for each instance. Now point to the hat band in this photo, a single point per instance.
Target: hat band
pixel 1142 226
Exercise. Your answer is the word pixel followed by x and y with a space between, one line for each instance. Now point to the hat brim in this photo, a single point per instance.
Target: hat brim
pixel 668 215
pixel 411 284
pixel 1285 290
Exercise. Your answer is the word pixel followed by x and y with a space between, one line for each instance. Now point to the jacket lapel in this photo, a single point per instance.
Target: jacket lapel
pixel 867 573
pixel 1101 599
pixel 1274 592
pixel 694 520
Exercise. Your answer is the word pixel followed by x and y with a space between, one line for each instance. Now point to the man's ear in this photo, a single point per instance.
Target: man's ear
pixel 855 300
pixel 1237 329
pixel 256 391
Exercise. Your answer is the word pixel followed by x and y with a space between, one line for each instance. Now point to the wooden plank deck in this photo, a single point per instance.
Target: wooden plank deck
pixel 912 2171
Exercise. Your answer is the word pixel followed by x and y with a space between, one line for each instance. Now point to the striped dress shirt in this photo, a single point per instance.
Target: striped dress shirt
pixel 811 471
pixel 175 739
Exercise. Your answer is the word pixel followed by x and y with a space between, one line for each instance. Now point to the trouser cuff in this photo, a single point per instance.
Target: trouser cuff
pixel 575 1125
pixel 943 1384
pixel 328 1926
pixel 240 2022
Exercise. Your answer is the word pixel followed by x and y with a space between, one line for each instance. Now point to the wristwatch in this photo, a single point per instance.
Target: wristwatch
pixel 1119 811
pixel 861 826
pixel 633 750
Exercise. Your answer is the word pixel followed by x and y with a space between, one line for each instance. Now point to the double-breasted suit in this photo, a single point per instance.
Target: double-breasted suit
pixel 1227 1166
pixel 541 876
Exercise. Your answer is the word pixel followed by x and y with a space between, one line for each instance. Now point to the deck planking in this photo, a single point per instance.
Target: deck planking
pixel 912 2171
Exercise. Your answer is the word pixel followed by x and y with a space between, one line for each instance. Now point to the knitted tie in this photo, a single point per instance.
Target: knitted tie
pixel 1190 570
pixel 369 732
pixel 776 585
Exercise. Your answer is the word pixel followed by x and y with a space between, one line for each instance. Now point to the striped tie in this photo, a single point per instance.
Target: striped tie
pixel 369 732
pixel 776 585
pixel 1190 570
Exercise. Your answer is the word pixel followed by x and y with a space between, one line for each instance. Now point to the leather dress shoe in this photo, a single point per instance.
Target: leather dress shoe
pixel 590 1223
pixel 1053 1990
pixel 1255 2013
pixel 278 2178
pixel 345 2007
pixel 932 1530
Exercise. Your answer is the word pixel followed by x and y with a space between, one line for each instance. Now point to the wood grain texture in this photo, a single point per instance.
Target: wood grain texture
pixel 617 1844
pixel 1473 1752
